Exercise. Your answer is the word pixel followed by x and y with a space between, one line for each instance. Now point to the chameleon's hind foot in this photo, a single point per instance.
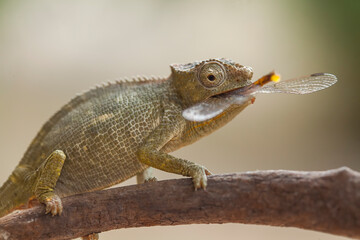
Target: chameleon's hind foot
pixel 93 236
pixel 53 205
pixel 47 175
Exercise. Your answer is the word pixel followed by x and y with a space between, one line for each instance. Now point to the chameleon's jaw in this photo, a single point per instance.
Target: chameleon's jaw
pixel 236 89
pixel 227 91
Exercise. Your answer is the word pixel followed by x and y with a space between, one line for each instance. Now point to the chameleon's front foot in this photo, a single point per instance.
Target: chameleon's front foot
pixel 168 163
pixel 53 205
pixel 198 174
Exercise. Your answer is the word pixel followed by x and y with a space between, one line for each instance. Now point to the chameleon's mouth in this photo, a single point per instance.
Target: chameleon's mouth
pixel 251 86
pixel 233 91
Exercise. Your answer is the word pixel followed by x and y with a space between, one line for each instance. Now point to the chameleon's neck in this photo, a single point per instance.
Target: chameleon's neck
pixel 180 86
pixel 205 128
pixel 195 130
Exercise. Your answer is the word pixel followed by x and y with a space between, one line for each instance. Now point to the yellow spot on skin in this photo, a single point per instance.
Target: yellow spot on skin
pixel 21 166
pixel 105 117
pixel 13 179
pixel 102 118
pixel 85 148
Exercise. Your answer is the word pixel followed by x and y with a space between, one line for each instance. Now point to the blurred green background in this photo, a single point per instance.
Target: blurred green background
pixel 52 50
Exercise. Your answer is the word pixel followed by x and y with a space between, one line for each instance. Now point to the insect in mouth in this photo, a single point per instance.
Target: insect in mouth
pixel 269 83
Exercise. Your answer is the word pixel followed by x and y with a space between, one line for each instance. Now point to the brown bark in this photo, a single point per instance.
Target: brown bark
pixel 327 201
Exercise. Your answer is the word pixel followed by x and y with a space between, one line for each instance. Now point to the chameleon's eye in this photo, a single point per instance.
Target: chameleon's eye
pixel 212 74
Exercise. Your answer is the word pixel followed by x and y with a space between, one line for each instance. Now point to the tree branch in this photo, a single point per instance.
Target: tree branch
pixel 327 201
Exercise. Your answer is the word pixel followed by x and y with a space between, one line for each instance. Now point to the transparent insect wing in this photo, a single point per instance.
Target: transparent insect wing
pixel 212 107
pixel 302 85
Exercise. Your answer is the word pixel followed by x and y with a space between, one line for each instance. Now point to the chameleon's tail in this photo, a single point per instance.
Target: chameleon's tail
pixel 12 196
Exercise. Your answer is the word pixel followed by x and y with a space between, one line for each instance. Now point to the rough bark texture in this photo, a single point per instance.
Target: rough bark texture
pixel 327 201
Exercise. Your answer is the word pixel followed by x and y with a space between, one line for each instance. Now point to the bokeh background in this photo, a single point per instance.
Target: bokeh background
pixel 52 50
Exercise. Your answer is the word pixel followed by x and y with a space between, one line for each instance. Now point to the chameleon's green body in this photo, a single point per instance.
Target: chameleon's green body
pixel 114 132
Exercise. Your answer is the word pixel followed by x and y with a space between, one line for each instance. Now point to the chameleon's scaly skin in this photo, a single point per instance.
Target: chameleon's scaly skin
pixel 114 132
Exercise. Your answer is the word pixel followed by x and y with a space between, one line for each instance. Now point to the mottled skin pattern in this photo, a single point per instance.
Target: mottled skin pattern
pixel 114 132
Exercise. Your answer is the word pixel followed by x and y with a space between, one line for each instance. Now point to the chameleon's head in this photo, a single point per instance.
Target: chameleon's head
pixel 198 81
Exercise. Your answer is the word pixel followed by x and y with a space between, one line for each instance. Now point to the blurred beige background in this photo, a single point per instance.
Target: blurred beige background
pixel 51 50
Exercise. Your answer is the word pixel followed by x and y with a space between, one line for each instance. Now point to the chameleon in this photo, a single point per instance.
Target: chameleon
pixel 123 129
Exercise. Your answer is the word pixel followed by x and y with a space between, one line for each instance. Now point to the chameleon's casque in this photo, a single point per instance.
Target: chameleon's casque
pixel 117 131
